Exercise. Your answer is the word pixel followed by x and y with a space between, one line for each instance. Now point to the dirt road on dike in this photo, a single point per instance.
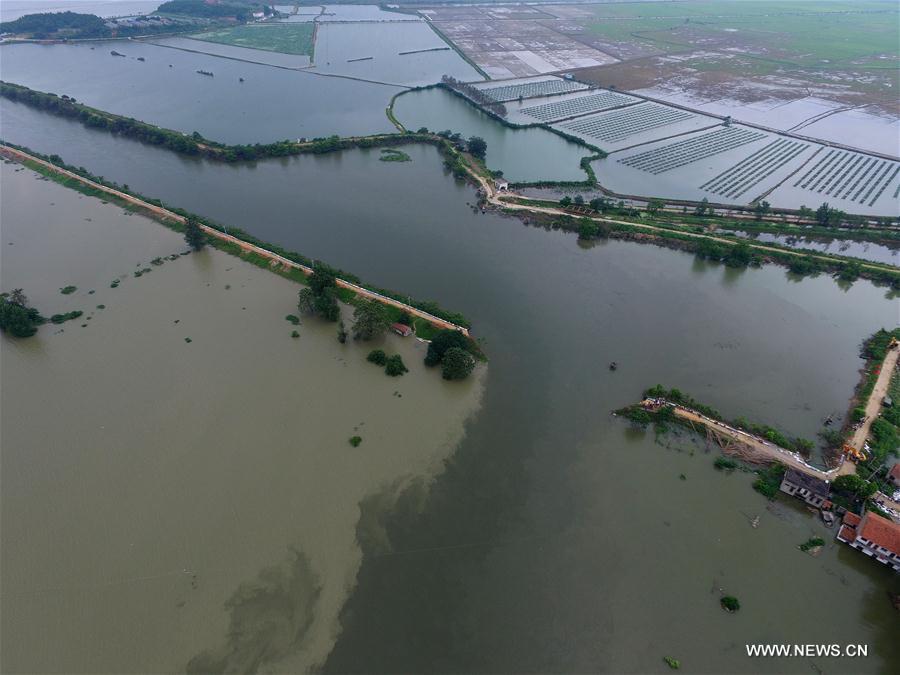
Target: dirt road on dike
pixel 873 405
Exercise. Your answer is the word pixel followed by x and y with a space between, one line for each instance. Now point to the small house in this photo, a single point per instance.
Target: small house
pixel 894 475
pixel 874 535
pixel 502 185
pixel 810 489
pixel 401 329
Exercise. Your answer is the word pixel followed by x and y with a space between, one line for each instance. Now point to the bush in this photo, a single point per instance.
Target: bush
pixel 355 441
pixel 812 542
pixel 730 603
pixel 377 356
pixel 395 366
pixel 68 290
pixel 18 319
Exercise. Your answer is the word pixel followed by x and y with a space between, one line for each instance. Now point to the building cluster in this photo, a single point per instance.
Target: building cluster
pixel 874 535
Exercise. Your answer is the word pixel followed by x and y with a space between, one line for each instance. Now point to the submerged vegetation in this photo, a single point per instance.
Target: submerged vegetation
pixel 16 317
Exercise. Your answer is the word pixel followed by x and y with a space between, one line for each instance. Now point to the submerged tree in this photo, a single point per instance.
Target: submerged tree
pixel 457 364
pixel 194 235
pixel 369 320
pixel 16 318
pixel 477 146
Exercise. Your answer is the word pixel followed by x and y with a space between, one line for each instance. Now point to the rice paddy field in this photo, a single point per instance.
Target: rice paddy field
pixel 286 38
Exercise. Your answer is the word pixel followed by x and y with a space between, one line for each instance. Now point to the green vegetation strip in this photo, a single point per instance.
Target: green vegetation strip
pixel 286 38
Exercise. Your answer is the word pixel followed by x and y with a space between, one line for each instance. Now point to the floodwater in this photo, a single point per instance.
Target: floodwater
pixel 522 154
pixel 864 250
pixel 555 539
pixel 191 505
pixel 271 104
pixel 11 10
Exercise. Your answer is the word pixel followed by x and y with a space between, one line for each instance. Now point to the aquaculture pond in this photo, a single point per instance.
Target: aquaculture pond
pixel 522 154
pixel 555 538
pixel 166 89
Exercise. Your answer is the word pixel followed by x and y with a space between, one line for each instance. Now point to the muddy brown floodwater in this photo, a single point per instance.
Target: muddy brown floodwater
pixel 169 504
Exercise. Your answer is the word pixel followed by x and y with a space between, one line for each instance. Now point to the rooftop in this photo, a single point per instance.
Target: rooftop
pixel 814 485
pixel 880 531
pixel 895 471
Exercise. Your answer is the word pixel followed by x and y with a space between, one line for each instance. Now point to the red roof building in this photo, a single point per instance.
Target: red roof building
pixel 894 475
pixel 874 535
pixel 401 329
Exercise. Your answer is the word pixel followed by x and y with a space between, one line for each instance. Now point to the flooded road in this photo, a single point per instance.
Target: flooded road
pixel 186 490
pixel 554 538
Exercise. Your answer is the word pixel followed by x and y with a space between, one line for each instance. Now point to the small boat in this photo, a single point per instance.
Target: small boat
pixel 141 58
pixel 241 79
pixel 755 522
pixel 205 72
pixel 613 365
pixel 115 53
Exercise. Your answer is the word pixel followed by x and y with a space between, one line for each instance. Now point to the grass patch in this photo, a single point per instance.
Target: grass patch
pixel 285 38
pixel 769 480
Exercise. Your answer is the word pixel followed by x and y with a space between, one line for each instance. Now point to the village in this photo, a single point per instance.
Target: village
pixel 874 534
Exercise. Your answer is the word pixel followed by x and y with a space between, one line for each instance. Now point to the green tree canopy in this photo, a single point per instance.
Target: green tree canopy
pixel 444 340
pixel 194 235
pixel 457 364
pixel 370 320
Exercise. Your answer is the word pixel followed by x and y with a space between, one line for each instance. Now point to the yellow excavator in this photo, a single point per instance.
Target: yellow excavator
pixel 893 343
pixel 854 454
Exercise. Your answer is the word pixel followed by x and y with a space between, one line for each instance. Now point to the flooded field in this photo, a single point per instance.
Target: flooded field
pixel 406 52
pixel 187 490
pixel 522 154
pixel 221 107
pixel 546 488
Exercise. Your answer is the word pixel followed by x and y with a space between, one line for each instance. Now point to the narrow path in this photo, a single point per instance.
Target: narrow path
pixel 164 214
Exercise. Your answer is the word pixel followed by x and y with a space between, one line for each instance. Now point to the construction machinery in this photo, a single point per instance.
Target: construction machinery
pixel 854 454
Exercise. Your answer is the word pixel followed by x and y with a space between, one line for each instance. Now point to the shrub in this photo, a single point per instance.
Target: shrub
pixel 68 290
pixel 730 603
pixel 395 366
pixel 812 542
pixel 725 464
pixel 355 441
pixel 769 480
pixel 377 356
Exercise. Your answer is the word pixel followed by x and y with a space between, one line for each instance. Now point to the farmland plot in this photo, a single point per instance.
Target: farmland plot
pixel 728 165
pixel 735 182
pixel 681 153
pixel 620 125
pixel 530 89
pixel 851 181
pixel 581 105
